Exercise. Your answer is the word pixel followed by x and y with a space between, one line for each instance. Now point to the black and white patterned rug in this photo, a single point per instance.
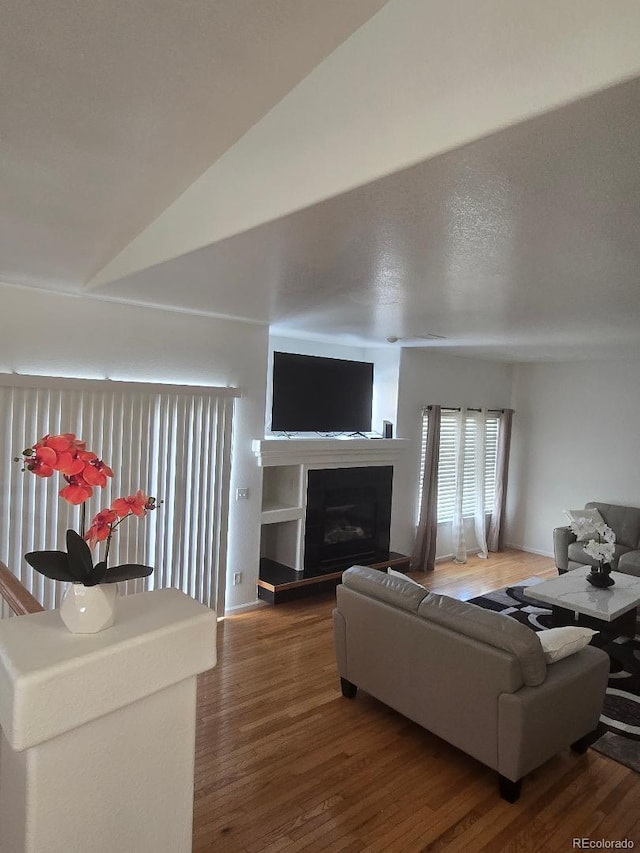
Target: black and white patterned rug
pixel 621 712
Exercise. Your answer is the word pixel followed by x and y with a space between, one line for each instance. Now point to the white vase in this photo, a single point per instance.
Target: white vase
pixel 88 609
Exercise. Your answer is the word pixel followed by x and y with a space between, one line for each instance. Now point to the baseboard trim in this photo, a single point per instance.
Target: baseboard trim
pixel 238 608
pixel 528 550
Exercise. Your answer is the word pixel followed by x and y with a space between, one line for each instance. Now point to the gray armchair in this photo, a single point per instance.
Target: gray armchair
pixel 625 523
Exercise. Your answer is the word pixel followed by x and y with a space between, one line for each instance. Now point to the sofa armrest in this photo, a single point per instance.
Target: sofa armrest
pixel 562 538
pixel 535 723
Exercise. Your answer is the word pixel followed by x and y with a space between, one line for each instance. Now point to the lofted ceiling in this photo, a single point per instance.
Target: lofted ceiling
pixel 111 108
pixel 521 245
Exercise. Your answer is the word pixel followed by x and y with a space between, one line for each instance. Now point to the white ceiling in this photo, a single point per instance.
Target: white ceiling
pixel 522 245
pixel 109 109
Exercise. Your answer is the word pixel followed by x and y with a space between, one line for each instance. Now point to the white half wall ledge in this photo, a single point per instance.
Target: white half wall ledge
pixel 52 681
pixel 97 750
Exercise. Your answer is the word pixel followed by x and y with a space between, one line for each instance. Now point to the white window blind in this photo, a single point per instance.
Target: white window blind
pixel 446 464
pixel 173 442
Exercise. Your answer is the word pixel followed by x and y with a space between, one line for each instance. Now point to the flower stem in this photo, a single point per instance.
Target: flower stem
pixel 112 527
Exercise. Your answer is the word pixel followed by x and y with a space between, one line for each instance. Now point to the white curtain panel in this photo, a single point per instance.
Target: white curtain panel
pixel 173 442
pixel 470 465
pixel 457 524
pixel 480 455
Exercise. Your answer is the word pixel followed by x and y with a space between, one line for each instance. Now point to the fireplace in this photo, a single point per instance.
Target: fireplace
pixel 348 515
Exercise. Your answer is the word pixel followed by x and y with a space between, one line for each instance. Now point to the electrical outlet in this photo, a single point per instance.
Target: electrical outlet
pixel 242 494
pixel 237 578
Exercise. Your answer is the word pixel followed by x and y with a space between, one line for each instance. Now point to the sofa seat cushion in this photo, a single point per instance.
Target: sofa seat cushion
pixel 629 563
pixel 577 554
pixel 405 594
pixel 493 629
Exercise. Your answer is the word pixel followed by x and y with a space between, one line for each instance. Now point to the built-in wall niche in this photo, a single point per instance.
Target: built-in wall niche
pixel 283 509
pixel 281 543
pixel 282 490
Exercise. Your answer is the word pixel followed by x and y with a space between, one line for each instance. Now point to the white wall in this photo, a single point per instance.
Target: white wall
pixel 575 429
pixel 386 376
pixel 80 337
pixel 428 377
pixel 576 438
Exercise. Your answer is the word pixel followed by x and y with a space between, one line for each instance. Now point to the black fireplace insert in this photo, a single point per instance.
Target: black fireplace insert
pixel 348 515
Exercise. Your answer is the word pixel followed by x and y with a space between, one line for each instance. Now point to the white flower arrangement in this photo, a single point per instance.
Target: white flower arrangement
pixel 602 546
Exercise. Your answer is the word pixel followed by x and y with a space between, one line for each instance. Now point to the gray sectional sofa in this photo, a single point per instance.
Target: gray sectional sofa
pixel 476 678
pixel 625 523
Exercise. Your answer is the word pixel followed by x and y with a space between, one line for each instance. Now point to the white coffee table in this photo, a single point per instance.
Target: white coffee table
pixel 575 602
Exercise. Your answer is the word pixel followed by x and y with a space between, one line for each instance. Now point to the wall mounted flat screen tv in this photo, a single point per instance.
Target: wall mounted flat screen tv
pixel 313 394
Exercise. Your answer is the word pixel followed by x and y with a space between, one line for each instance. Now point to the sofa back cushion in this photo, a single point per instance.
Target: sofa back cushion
pixel 391 589
pixel 493 629
pixel 577 554
pixel 623 520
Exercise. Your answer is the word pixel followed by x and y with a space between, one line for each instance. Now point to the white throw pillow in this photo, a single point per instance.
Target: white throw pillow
pixel 558 643
pixel 591 515
pixel 395 574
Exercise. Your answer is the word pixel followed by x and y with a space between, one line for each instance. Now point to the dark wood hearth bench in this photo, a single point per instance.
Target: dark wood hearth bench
pixel 279 583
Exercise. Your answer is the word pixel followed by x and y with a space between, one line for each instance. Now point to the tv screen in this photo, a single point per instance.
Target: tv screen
pixel 313 394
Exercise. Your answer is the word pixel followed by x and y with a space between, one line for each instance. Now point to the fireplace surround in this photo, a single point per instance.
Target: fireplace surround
pixel 353 517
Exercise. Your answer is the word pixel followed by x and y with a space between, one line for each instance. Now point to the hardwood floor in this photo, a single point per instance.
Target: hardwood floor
pixel 284 763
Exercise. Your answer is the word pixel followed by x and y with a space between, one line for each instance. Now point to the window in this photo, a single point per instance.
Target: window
pixel 446 463
pixel 172 441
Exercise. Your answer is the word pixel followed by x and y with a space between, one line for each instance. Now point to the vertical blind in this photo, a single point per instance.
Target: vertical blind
pixel 447 462
pixel 173 442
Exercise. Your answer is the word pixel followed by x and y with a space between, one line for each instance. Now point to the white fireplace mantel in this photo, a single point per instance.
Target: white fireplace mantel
pixel 328 452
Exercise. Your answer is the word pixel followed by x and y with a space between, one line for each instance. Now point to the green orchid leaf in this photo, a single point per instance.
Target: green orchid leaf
pixel 80 560
pixel 52 564
pixel 126 572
